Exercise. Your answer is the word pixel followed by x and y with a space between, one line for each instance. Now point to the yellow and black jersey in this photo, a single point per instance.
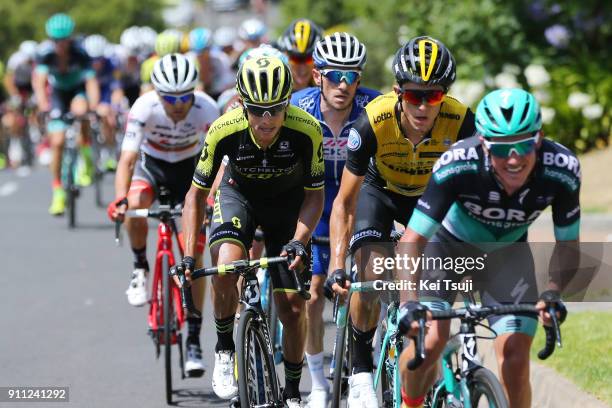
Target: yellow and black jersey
pixel 294 159
pixel 378 149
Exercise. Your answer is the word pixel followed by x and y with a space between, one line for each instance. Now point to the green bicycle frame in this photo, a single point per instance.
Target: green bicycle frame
pixel 392 341
pixel 389 361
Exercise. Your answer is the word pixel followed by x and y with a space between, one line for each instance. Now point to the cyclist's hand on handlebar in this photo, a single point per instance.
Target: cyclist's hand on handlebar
pixel 116 209
pixel 409 318
pixel 297 250
pixel 183 268
pixel 338 283
pixel 548 298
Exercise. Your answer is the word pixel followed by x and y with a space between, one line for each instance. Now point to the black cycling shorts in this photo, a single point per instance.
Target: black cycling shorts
pixel 176 177
pixel 376 211
pixel 236 216
pixel 499 282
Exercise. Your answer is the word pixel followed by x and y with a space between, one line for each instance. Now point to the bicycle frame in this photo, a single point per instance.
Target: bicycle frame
pixel 392 341
pixel 165 230
pixel 389 361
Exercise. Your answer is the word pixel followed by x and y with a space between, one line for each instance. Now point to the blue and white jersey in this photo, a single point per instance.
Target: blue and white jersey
pixel 334 154
pixel 334 146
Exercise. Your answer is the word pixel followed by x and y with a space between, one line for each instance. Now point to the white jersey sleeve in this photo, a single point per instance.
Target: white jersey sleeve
pixel 137 120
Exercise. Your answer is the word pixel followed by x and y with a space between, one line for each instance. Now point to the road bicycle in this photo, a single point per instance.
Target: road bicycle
pixel 166 316
pixel 464 382
pixel 258 384
pixel 70 163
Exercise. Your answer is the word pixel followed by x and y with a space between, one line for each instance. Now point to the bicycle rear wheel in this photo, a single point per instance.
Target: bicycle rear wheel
pixel 257 381
pixel 485 390
pixel 71 188
pixel 168 318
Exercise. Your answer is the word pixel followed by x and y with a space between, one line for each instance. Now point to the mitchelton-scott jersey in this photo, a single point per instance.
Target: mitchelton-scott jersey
pixel 294 159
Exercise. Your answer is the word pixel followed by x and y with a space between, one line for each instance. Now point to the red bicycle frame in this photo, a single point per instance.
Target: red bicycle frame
pixel 156 314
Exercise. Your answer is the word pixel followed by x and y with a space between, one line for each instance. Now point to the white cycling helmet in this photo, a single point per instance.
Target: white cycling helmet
pixel 340 50
pixel 174 73
pixel 224 36
pixel 130 40
pixel 252 29
pixel 95 45
pixel 28 48
pixel 148 36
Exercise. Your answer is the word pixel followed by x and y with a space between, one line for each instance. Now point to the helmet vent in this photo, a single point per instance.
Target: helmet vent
pixel 507 112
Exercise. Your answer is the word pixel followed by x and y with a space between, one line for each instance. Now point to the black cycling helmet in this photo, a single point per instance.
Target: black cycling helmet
pixel 424 60
pixel 300 38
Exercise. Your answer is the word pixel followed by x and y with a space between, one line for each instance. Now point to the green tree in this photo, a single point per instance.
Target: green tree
pixel 25 19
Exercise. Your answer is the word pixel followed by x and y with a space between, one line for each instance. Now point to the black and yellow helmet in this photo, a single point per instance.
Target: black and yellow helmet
pixel 264 80
pixel 424 60
pixel 300 38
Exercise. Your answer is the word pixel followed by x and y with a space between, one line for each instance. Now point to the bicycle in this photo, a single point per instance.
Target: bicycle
pixel 258 384
pixel 391 344
pixel 463 386
pixel 166 316
pixel 69 169
pixel 97 146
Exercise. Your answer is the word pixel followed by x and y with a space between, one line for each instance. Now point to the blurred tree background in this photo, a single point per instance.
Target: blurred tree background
pixel 25 19
pixel 559 50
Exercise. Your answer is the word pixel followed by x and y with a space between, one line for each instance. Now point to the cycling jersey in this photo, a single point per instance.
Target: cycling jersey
pixel 149 128
pixel 68 78
pixel 334 154
pixel 294 159
pixel 377 146
pixel 108 78
pixel 21 66
pixel 465 197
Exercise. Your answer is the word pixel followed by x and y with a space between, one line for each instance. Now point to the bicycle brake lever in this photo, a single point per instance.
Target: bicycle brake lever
pixel 186 297
pixel 118 240
pixel 553 315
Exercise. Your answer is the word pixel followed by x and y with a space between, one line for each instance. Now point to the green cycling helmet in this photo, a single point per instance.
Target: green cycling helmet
pixel 508 112
pixel 59 26
pixel 167 42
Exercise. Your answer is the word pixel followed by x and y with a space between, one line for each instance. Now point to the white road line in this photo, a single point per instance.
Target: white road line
pixel 8 188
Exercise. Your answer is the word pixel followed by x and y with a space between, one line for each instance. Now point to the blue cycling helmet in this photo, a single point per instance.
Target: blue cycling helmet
pixel 59 26
pixel 508 112
pixel 200 39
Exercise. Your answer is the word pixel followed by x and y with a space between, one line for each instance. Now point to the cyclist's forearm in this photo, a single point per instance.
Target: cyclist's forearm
pixel 9 84
pixel 92 88
pixel 39 84
pixel 563 265
pixel 125 170
pixel 193 216
pixel 340 230
pixel 411 245
pixel 310 213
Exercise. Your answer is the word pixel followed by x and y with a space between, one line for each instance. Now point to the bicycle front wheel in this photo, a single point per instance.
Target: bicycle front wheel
pixel 485 390
pixel 340 365
pixel 257 381
pixel 168 318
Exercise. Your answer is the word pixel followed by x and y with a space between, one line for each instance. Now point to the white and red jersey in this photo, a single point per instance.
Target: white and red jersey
pixel 150 129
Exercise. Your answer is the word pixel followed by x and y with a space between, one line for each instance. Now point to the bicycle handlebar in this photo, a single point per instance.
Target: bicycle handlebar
pixel 240 267
pixel 553 333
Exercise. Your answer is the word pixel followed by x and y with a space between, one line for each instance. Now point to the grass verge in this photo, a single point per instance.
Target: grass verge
pixel 586 356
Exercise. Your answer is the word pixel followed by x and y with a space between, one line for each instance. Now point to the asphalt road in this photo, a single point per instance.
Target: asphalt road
pixel 65 319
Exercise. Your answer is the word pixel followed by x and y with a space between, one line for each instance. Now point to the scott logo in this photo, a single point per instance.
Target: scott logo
pixel 382 116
